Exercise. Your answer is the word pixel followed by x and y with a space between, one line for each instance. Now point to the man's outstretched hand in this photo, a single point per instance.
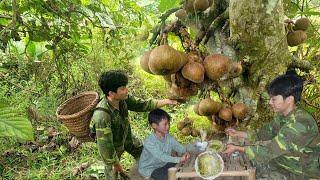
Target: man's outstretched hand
pixel 232 148
pixel 164 102
pixel 235 133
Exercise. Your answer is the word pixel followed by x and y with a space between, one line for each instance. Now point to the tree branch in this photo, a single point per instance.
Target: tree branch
pixel 215 23
pixel 5 16
pixel 164 16
pixel 14 19
pixel 163 19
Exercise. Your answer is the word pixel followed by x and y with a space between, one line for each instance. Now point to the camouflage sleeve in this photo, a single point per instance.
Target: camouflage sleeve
pixel 265 133
pixel 292 137
pixel 139 105
pixel 105 138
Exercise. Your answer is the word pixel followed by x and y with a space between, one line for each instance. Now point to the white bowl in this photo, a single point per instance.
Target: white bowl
pixel 202 145
pixel 216 156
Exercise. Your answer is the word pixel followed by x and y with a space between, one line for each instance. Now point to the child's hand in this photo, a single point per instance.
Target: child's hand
pixel 185 157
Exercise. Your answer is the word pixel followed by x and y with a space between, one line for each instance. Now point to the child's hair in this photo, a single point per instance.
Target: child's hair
pixel 156 115
pixel 112 80
pixel 289 84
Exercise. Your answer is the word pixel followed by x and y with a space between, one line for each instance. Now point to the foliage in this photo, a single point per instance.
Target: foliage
pixel 13 124
pixel 54 49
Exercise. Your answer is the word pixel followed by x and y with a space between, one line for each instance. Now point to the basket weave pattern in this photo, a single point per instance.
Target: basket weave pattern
pixel 75 113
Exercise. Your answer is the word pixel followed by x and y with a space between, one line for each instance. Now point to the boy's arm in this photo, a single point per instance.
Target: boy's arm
pixel 105 139
pixel 176 146
pixel 291 137
pixel 157 153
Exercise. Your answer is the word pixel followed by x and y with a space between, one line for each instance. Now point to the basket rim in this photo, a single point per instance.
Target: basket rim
pixel 221 163
pixel 62 105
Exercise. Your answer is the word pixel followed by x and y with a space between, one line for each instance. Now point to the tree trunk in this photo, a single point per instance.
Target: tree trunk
pixel 258 29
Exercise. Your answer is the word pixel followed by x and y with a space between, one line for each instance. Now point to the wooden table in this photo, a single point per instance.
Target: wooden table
pixel 236 167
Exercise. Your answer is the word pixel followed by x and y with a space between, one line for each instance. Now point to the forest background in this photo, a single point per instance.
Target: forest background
pixel 52 50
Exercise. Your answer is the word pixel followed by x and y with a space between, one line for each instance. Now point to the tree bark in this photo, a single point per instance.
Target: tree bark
pixel 258 29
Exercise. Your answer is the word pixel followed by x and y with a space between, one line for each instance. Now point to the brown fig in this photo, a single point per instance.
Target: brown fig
pixel 180 125
pixel 184 58
pixel 193 71
pixel 144 62
pixel 186 131
pixel 225 114
pixel 181 14
pixel 165 60
pixel 239 110
pixel 296 37
pixel 187 121
pixel 301 24
pixel 194 133
pixel 216 65
pixel 208 107
pixel 196 108
pixel 201 5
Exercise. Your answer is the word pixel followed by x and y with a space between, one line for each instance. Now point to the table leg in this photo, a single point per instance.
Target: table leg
pixel 172 173
pixel 252 174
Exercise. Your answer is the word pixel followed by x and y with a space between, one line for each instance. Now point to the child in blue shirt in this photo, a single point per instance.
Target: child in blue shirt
pixel 156 158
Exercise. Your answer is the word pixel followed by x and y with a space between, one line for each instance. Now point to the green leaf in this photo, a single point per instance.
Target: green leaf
pixel 167 4
pixel 315 13
pixel 85 2
pixel 13 124
pixel 31 49
pixel 105 20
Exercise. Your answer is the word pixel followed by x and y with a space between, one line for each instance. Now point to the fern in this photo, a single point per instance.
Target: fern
pixel 13 124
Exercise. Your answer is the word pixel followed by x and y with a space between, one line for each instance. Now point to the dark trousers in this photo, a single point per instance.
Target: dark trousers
pixel 162 173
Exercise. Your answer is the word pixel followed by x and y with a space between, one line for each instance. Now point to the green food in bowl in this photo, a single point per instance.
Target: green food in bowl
pixel 215 145
pixel 209 165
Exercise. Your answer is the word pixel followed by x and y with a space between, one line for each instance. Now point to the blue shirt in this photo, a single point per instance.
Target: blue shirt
pixel 156 153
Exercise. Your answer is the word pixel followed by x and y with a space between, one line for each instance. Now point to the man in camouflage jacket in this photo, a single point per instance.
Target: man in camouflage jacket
pixel 110 121
pixel 289 146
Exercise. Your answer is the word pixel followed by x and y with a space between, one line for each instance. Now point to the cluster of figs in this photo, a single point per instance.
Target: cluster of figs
pixel 192 6
pixel 186 71
pixel 186 128
pixel 209 107
pixel 217 111
pixel 297 31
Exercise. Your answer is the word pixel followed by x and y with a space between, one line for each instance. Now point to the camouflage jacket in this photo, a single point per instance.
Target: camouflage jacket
pixel 112 128
pixel 286 141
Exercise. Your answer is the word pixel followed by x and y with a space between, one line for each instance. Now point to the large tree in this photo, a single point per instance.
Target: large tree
pixel 252 34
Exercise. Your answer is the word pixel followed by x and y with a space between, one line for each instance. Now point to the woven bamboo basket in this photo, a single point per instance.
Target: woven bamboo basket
pixel 76 112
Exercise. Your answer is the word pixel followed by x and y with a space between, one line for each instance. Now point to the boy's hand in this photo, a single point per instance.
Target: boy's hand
pixel 234 133
pixel 185 157
pixel 117 168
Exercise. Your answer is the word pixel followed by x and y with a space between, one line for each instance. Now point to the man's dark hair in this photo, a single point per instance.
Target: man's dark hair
pixel 289 84
pixel 112 80
pixel 156 115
